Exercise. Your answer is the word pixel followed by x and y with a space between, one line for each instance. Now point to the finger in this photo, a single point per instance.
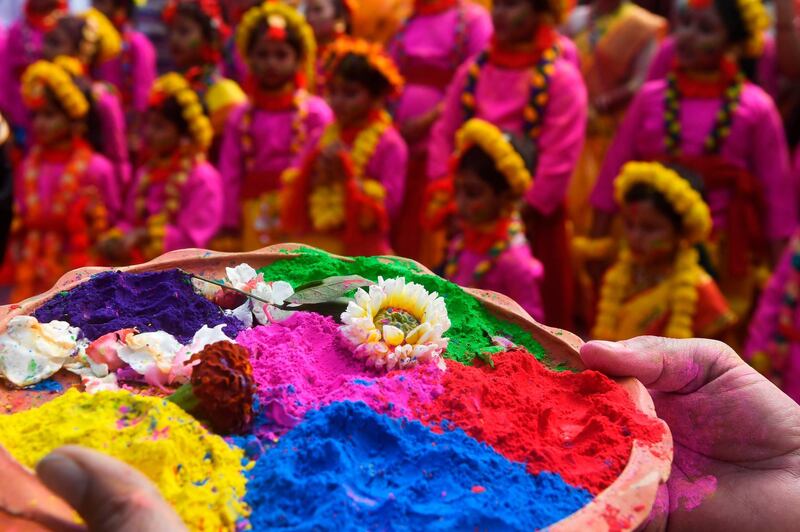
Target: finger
pixel 108 494
pixel 662 364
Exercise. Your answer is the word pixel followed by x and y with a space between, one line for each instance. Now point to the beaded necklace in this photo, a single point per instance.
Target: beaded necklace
pixel 513 234
pixel 722 123
pixel 299 134
pixel 460 37
pixel 176 175
pixel 537 101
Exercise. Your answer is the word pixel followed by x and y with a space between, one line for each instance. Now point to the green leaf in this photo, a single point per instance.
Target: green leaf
pixel 327 289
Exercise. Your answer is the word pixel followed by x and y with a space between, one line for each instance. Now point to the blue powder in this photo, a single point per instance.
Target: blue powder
pixel 48 385
pixel 364 382
pixel 156 301
pixel 348 467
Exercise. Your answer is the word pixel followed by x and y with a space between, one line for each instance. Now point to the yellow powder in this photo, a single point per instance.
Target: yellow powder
pixel 196 471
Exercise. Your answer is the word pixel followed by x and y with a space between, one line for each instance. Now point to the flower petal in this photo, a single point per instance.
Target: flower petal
pixel 392 335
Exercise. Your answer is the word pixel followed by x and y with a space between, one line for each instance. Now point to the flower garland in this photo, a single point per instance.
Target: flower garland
pixel 683 295
pixel 513 232
pixel 373 53
pixel 279 17
pixel 100 40
pixel 722 123
pixel 537 101
pixel 43 75
pixel 687 202
pixel 175 85
pixel 495 143
pixel 299 134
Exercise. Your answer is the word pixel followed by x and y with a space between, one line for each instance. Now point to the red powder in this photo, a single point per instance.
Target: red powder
pixel 580 425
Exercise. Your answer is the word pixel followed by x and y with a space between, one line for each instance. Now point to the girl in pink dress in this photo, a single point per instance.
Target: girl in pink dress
pixel 431 45
pixel 91 39
pixel 491 251
pixel 526 86
pixel 176 198
pixel 65 193
pixel 348 189
pixel 707 117
pixel 24 47
pixel 281 121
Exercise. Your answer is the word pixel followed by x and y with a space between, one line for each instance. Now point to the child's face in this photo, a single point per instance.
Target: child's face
pixel 321 16
pixel 186 41
pixel 351 102
pixel 514 21
pixel 272 63
pixel 701 37
pixel 51 125
pixel 651 236
pixel 57 42
pixel 161 136
pixel 477 202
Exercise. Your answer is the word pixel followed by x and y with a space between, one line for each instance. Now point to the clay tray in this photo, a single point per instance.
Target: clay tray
pixel 624 505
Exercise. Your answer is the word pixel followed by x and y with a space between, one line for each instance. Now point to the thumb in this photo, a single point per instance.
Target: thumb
pixel 108 494
pixel 662 364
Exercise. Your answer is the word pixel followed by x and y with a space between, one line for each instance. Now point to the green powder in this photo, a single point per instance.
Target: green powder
pixel 472 325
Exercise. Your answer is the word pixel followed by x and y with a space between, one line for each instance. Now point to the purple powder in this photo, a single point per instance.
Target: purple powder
pixel 154 301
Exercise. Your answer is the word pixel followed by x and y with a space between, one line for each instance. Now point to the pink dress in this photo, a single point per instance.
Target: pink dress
pixel 388 166
pixel 23 48
pixel 516 274
pixel 767 75
pixel 200 214
pixel 764 326
pixel 112 128
pixel 756 143
pixel 133 71
pixel 272 137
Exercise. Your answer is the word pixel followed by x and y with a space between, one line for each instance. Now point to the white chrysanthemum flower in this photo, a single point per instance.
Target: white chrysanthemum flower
pixel 396 325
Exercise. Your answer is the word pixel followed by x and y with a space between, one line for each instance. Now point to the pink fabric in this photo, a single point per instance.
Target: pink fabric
pixel 200 214
pixel 99 174
pixel 272 141
pixel 764 325
pixel 516 274
pixel 430 42
pixel 767 75
pixel 112 128
pixel 756 143
pixel 501 96
pixel 23 48
pixel 134 71
pixel 388 165
pixel 569 51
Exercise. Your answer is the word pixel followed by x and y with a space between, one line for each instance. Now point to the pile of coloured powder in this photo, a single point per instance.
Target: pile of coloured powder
pixel 472 325
pixel 196 471
pixel 348 467
pixel 304 363
pixel 580 425
pixel 157 301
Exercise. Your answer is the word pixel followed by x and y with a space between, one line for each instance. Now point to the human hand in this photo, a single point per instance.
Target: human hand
pixel 737 436
pixel 106 493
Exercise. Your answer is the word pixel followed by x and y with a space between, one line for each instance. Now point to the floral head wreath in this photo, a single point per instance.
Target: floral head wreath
pixel 100 37
pixel 174 85
pixel 43 75
pixel 209 8
pixel 756 22
pixel 374 54
pixel 686 201
pixel 279 17
pixel 496 144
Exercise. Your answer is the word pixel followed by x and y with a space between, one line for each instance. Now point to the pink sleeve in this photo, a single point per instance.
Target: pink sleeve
pixel 771 166
pixel 103 177
pixel 521 276
pixel 319 117
pixel 662 62
pixel 622 150
pixel 440 146
pixel 561 141
pixel 765 321
pixel 145 71
pixel 230 168
pixel 389 167
pixel 200 216
pixel 112 126
pixel 570 52
pixel 479 31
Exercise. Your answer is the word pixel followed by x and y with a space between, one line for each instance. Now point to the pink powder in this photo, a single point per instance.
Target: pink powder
pixel 304 364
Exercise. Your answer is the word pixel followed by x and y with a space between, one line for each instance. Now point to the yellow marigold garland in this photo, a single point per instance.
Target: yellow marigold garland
pixel 374 54
pixel 294 20
pixel 490 139
pixel 43 75
pixel 100 37
pixel 686 201
pixel 175 85
pixel 756 21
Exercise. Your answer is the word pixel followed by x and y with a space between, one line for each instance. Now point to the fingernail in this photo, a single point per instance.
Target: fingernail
pixel 63 476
